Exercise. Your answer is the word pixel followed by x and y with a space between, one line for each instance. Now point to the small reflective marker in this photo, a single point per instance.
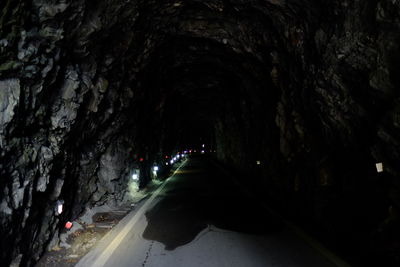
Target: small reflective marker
pixel 60 208
pixel 68 225
pixel 379 167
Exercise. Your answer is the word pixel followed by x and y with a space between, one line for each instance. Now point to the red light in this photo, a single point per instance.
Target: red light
pixel 68 225
pixel 141 159
pixel 166 157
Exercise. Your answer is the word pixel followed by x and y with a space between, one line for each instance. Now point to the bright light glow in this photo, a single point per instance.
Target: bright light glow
pixel 202 152
pixel 202 145
pixel 135 177
pixel 379 167
pixel 171 161
pixel 166 163
pixel 258 162
pixel 68 225
pixel 59 208
pixel 178 156
pixel 155 168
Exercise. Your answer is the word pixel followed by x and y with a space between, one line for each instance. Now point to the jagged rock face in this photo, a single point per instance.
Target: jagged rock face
pixel 308 88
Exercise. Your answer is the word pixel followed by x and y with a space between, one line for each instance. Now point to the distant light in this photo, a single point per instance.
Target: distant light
pixel 166 157
pixel 258 162
pixel 135 177
pixel 68 225
pixel 166 163
pixel 185 151
pixel 141 159
pixel 194 151
pixel 178 156
pixel 379 167
pixel 155 168
pixel 171 161
pixel 202 152
pixel 202 145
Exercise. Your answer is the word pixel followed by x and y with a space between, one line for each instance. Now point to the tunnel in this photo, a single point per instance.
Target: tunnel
pixel 296 98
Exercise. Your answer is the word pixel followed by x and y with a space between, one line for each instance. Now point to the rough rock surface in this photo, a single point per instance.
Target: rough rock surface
pixel 308 88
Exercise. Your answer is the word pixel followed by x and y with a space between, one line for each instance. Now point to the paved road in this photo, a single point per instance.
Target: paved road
pixel 200 218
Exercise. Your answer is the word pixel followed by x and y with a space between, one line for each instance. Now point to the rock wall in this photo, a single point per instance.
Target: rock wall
pixel 308 88
pixel 336 115
pixel 62 118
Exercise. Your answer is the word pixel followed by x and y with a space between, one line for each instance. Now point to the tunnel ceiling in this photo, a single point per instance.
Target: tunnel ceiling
pixel 308 88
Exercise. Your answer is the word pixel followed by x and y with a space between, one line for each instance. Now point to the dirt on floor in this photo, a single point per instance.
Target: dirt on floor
pixel 87 231
pixel 82 240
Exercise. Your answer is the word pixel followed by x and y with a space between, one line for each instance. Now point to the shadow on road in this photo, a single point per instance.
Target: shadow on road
pixel 194 199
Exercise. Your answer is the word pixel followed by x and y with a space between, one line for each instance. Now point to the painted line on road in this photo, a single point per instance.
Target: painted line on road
pixel 109 250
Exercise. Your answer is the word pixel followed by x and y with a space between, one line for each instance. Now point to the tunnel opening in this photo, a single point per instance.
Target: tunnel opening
pixel 298 97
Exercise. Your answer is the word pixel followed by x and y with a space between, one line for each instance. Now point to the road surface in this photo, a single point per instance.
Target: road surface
pixel 199 217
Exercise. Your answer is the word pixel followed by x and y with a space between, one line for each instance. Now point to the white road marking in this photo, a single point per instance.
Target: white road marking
pixel 109 250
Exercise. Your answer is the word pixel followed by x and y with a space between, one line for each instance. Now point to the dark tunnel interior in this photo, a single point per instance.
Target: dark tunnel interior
pixel 297 97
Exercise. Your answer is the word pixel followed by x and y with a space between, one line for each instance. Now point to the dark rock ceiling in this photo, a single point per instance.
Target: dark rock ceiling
pixel 308 87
